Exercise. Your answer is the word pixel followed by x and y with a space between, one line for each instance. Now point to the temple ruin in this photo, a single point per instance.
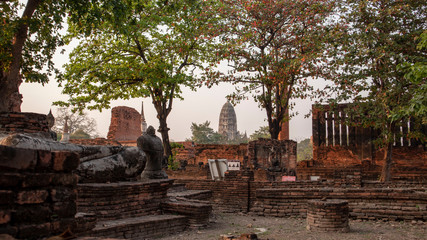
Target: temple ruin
pixel 125 124
pixel 92 188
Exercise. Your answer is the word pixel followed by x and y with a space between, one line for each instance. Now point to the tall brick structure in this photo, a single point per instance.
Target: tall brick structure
pixel 125 124
pixel 228 122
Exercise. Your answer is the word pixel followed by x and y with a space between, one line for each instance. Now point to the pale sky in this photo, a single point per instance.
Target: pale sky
pixel 204 104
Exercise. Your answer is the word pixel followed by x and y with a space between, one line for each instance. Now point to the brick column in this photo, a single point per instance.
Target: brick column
pixel 327 216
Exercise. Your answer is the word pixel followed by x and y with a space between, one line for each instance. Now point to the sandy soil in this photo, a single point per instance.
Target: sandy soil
pixel 295 229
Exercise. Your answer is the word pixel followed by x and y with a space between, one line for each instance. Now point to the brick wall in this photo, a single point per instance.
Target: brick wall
pixel 195 153
pixel 37 192
pixel 23 122
pixel 190 172
pixel 239 193
pixel 367 203
pixel 122 200
pixel 230 195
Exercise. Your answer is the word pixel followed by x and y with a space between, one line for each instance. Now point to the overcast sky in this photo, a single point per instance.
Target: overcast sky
pixel 199 106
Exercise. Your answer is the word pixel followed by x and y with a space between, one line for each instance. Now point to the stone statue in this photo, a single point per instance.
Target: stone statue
pixel 153 148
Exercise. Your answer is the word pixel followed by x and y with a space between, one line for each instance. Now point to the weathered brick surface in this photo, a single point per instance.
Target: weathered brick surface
pixel 197 213
pixel 190 172
pixel 230 195
pixel 96 141
pixel 365 203
pixel 262 151
pixel 111 201
pixel 239 193
pixel 327 216
pixel 23 122
pixel 195 153
pixel 256 155
pixel 125 124
pixel 38 192
pixel 140 227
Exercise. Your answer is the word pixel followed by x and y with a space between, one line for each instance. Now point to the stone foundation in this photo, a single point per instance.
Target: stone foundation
pixel 327 216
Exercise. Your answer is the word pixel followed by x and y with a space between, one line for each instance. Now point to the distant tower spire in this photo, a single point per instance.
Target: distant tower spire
pixel 65 132
pixel 143 122
pixel 228 122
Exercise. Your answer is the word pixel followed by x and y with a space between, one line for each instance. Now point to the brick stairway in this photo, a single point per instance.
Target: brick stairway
pixel 140 210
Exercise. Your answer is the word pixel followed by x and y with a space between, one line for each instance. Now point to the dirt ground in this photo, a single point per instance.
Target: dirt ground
pixel 295 229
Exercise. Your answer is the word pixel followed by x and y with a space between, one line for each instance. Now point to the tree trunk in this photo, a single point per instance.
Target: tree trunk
pixel 275 129
pixel 164 131
pixel 10 98
pixel 386 171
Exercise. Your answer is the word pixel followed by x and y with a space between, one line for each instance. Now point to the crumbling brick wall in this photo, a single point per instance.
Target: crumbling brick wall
pixel 125 124
pixel 96 141
pixel 106 200
pixel 230 195
pixel 22 122
pixel 263 151
pixel 196 153
pixel 240 193
pixel 38 192
pixel 364 203
pixel 337 144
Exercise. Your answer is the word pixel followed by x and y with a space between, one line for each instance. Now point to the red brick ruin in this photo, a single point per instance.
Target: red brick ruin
pixel 40 195
pixel 125 124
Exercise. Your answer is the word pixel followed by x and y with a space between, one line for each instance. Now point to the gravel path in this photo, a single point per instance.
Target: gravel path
pixel 294 228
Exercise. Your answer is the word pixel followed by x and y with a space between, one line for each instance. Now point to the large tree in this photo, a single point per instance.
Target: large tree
pixel 273 46
pixel 140 48
pixel 75 122
pixel 29 37
pixel 379 36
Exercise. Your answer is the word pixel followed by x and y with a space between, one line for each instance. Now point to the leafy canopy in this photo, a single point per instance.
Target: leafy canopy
pixel 262 132
pixel 377 38
pixel 272 46
pixel 44 36
pixel 141 48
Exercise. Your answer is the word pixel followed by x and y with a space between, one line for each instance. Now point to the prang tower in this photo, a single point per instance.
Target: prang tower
pixel 228 122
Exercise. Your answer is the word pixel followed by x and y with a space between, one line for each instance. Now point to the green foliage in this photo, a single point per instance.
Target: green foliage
pixel 304 150
pixel 172 164
pixel 417 74
pixel 376 38
pixel 43 38
pixel 138 48
pixel 79 134
pixel 273 47
pixel 204 134
pixel 262 132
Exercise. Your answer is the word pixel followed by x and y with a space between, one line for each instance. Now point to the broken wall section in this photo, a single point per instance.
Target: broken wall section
pixel 125 124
